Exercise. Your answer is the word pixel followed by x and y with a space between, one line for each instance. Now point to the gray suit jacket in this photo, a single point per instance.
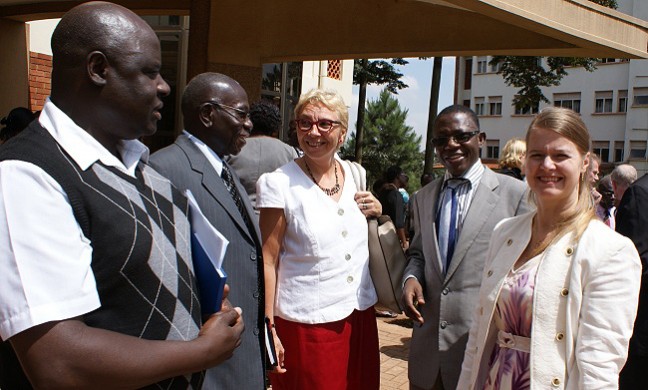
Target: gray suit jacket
pixel 187 168
pixel 438 345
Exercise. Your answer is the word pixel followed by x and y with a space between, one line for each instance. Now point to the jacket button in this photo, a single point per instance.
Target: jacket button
pixel 555 382
pixel 569 251
pixel 255 295
pixel 443 324
pixel 253 257
pixel 349 279
pixel 445 291
pixel 509 242
pixel 256 332
pixel 489 273
pixel 560 336
pixel 347 257
pixel 564 292
pixel 340 212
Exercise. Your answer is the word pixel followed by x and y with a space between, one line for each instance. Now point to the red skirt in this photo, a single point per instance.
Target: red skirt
pixel 340 355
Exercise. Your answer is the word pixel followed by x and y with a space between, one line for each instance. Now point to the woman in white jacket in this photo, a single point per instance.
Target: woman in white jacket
pixel 559 291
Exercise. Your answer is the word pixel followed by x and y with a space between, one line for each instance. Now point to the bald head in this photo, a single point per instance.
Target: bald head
pixel 217 111
pixel 106 73
pixel 96 26
pixel 203 88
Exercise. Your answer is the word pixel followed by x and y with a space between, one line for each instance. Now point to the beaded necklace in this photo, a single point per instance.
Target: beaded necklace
pixel 328 191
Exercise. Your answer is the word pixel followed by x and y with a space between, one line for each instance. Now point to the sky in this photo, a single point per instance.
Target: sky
pixel 416 99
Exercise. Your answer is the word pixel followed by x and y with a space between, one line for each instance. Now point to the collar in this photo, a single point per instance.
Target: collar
pixel 472 175
pixel 84 149
pixel 215 161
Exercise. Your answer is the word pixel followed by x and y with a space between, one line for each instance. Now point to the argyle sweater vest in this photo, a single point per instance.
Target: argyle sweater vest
pixel 139 232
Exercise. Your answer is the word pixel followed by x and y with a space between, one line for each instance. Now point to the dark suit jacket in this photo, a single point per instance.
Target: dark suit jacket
pixel 187 168
pixel 632 222
pixel 450 299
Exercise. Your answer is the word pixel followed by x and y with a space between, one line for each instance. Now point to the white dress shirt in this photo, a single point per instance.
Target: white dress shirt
pixel 215 161
pixel 323 270
pixel 45 258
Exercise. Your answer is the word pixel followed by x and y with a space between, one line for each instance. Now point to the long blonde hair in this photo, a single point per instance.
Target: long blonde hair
pixel 569 124
pixel 513 154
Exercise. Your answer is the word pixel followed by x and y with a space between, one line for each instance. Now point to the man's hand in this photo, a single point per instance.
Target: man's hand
pixel 412 299
pixel 221 334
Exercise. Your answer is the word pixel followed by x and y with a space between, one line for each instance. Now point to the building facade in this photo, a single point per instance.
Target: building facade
pixel 612 100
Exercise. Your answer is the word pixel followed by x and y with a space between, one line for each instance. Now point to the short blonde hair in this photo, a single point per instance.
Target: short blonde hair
pixel 513 154
pixel 328 98
pixel 569 124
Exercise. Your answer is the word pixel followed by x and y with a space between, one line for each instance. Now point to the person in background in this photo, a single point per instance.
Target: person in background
pixel 511 162
pixel 319 293
pixel 425 179
pixel 632 222
pixel 453 219
pixel 605 209
pixel 97 287
pixel 593 176
pixel 216 117
pixel 559 290
pixel 393 203
pixel 622 176
pixel 15 122
pixel 262 152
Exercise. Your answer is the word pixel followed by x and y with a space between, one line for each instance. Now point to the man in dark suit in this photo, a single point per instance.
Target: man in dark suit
pixel 632 219
pixel 217 123
pixel 442 278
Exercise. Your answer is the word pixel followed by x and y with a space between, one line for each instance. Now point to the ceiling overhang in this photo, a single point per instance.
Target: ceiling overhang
pixel 253 32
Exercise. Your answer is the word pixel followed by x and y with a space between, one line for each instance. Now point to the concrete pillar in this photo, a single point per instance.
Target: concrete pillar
pixel 14 68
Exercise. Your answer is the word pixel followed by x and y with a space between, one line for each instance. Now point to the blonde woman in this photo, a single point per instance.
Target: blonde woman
pixel 512 160
pixel 559 292
pixel 319 294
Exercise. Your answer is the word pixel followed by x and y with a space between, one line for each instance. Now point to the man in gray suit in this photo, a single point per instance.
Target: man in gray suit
pixel 453 219
pixel 217 123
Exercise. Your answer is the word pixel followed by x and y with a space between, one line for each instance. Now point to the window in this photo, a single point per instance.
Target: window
pixel 603 101
pixel 568 100
pixel 334 69
pixel 640 97
pixel 638 150
pixel 494 105
pixel 492 148
pixel 496 67
pixel 468 74
pixel 527 109
pixel 479 105
pixel 611 60
pixel 482 65
pixel 466 103
pixel 623 101
pixel 602 148
pixel 618 151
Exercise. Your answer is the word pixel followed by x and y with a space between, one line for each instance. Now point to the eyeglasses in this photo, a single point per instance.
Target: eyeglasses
pixel 239 114
pixel 323 125
pixel 459 137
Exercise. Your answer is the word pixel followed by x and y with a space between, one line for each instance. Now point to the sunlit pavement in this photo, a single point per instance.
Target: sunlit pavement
pixel 395 335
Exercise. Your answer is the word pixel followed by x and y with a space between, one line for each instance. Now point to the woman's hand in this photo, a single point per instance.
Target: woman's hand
pixel 279 349
pixel 368 204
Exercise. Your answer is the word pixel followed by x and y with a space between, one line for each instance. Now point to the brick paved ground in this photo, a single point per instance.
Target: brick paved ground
pixel 394 335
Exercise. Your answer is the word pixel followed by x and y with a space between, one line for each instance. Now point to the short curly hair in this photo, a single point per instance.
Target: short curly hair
pixel 265 117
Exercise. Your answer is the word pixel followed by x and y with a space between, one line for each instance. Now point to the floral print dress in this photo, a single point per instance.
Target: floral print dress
pixel 509 362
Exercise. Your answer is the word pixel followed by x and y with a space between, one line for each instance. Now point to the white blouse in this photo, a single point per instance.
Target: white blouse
pixel 323 269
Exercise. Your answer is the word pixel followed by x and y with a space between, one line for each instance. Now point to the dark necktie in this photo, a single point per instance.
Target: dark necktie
pixel 228 180
pixel 447 222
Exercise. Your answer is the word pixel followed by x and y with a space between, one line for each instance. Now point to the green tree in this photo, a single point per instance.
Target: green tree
pixel 378 72
pixel 388 141
pixel 529 73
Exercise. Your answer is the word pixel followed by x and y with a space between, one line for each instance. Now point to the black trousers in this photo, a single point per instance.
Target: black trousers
pixel 633 374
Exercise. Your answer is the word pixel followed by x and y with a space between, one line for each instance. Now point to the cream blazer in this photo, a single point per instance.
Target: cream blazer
pixel 584 306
